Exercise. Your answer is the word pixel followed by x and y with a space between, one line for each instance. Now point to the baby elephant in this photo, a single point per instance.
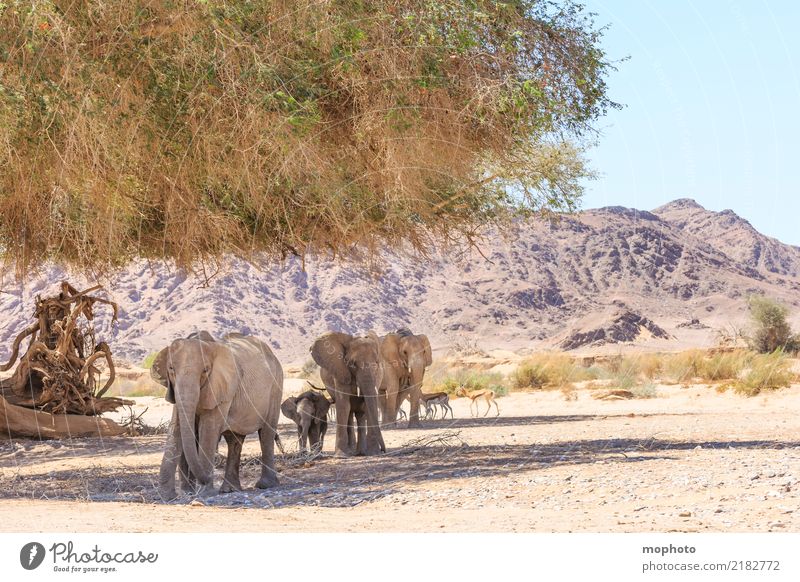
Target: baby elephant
pixel 310 412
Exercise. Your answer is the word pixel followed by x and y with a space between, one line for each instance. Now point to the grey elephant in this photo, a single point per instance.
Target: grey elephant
pixel 352 369
pixel 309 411
pixel 405 356
pixel 230 388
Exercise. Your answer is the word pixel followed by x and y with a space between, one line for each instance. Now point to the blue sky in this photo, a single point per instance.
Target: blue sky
pixel 712 108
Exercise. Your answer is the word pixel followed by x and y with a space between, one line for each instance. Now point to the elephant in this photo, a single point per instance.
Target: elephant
pixel 220 388
pixel 352 370
pixel 405 358
pixel 310 412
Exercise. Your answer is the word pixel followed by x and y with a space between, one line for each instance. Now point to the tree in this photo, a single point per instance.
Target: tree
pixel 771 331
pixel 189 130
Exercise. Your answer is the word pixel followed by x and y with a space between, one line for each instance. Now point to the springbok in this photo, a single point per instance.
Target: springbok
pixel 473 395
pixel 430 401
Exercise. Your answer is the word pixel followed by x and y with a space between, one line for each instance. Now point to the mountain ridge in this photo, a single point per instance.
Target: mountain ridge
pixel 539 283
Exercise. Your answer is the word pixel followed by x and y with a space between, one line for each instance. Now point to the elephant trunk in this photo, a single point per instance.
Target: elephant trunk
pixel 186 399
pixel 416 366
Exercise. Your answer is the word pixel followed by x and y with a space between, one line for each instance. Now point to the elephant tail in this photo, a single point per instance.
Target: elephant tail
pixel 279 444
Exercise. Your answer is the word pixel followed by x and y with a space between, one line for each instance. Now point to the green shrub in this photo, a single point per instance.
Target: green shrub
pixel 771 331
pixel 148 360
pixel 646 390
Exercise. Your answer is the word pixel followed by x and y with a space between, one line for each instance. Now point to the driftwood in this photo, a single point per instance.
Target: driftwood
pixel 17 421
pixel 58 376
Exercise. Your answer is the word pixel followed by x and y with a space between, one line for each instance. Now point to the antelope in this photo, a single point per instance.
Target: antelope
pixel 430 401
pixel 473 395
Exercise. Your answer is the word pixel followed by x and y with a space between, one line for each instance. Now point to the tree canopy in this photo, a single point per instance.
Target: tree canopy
pixel 190 130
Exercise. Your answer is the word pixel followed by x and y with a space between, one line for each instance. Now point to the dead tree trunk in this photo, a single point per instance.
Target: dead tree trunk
pixel 55 386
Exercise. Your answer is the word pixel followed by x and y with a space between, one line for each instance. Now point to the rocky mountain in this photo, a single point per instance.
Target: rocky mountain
pixel 663 279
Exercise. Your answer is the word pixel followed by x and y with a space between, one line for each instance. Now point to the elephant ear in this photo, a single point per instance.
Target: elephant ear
pixel 222 378
pixel 428 352
pixel 329 353
pixel 158 372
pixel 289 409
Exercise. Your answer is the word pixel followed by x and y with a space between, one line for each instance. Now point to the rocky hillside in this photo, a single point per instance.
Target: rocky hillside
pixel 666 278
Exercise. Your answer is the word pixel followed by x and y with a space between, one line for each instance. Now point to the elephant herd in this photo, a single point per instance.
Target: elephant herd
pixel 232 387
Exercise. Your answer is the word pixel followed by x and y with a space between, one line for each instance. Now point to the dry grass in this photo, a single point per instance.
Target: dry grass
pixel 550 370
pixel 472 380
pixel 766 372
pixel 748 372
pixel 142 386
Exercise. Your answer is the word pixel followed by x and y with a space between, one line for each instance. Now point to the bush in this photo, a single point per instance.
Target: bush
pixel 550 371
pixel 683 366
pixel 148 360
pixel 647 390
pixel 771 331
pixel 767 372
pixel 308 369
pixel 724 366
pixel 651 365
pixel 472 380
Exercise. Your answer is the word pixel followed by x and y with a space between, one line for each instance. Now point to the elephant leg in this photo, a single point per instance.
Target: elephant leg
pixel 343 427
pixel 304 435
pixel 269 476
pixel 413 414
pixel 390 404
pixel 209 436
pixel 361 422
pixel 231 481
pixel 313 436
pixel 351 432
pixel 169 462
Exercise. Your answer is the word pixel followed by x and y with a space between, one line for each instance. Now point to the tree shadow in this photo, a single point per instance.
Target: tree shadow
pixel 332 482
pixel 19 451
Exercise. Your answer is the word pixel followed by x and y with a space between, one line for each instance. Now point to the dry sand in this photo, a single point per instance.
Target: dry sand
pixel 689 460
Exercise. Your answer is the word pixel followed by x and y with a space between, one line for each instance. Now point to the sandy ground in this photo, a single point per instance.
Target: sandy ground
pixel 691 460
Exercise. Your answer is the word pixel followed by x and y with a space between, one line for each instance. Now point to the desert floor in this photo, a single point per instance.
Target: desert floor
pixel 691 460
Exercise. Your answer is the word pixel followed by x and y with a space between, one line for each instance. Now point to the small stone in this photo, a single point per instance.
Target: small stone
pixel 685 514
pixel 754 476
pixel 197 503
